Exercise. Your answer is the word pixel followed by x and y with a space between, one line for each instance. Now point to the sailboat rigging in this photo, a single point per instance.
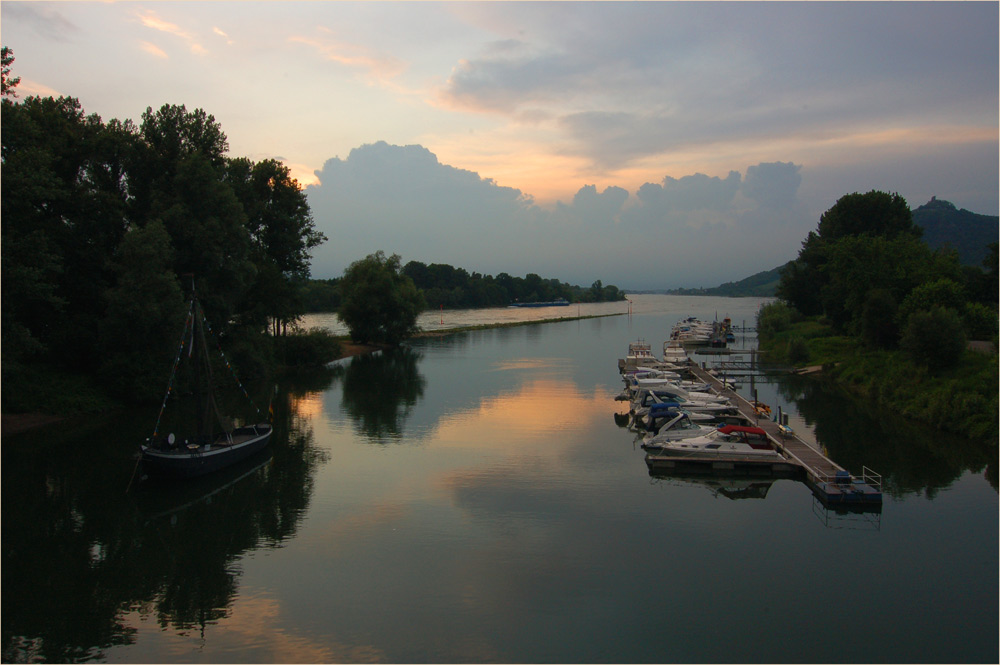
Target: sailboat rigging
pixel 207 448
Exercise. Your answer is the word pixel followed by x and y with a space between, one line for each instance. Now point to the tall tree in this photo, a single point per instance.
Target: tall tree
pixel 282 233
pixel 380 304
pixel 145 314
pixel 7 84
pixel 180 180
pixel 804 282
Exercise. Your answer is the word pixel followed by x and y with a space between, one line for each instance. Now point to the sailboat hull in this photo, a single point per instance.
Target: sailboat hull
pixel 189 461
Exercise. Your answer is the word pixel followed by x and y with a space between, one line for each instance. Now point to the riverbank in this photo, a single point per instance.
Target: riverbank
pixel 961 398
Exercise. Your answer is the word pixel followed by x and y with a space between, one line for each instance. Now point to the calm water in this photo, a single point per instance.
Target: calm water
pixel 471 498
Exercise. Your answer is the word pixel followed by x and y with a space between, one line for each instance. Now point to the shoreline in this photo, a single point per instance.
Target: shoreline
pixel 15 423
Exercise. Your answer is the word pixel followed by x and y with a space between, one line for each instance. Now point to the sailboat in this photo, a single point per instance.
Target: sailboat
pixel 213 442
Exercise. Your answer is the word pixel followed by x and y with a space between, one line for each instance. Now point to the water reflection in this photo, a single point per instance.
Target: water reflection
pixel 911 457
pixel 729 488
pixel 380 390
pixel 168 551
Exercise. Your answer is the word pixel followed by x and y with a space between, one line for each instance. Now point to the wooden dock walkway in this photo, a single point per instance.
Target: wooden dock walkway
pixel 824 476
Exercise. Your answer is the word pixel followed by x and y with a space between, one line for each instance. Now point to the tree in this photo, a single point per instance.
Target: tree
pixel 875 214
pixel 856 264
pixel 145 314
pixel 282 234
pixel 179 178
pixel 878 319
pixel 63 215
pixel 934 338
pixel 7 84
pixel 930 294
pixel 379 303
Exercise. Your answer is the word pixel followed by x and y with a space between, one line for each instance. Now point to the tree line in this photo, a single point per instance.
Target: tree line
pixel 890 315
pixel 107 225
pixel 868 273
pixel 443 285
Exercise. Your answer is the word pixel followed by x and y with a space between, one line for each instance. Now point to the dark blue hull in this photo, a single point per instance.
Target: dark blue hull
pixel 192 461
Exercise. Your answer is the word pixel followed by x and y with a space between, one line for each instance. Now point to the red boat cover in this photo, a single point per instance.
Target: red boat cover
pixel 733 429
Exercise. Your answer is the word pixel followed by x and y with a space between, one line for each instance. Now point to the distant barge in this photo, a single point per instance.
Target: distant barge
pixel 561 302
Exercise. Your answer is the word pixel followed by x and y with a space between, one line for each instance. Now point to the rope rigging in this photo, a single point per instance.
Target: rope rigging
pixel 194 313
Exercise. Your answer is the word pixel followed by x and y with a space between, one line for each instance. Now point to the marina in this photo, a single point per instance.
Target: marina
pixel 830 482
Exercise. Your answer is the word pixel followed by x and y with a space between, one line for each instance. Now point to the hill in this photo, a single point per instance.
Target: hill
pixel 761 284
pixel 967 232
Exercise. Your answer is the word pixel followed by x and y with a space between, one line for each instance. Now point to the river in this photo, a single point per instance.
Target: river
pixel 472 498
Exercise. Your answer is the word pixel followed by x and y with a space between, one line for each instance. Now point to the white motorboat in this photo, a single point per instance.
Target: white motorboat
pixel 732 442
pixel 666 385
pixel 645 398
pixel 674 352
pixel 679 426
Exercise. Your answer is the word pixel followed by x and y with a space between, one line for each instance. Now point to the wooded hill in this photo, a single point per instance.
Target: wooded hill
pixel 761 284
pixel 966 232
pixel 944 226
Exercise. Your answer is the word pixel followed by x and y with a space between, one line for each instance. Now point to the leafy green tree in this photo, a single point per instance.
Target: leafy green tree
pixel 934 338
pixel 878 319
pixel 773 318
pixel 980 321
pixel 379 303
pixel 63 215
pixel 180 179
pixel 282 233
pixel 145 315
pixel 874 215
pixel 7 84
pixel 856 264
pixel 934 293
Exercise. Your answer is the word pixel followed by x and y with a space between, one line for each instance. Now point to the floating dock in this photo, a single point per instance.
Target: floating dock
pixel 830 482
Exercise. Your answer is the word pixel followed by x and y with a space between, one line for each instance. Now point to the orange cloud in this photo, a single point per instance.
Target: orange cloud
pixel 153 50
pixel 381 68
pixel 150 20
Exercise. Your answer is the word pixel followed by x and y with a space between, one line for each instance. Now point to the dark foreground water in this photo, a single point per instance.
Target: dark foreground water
pixel 471 498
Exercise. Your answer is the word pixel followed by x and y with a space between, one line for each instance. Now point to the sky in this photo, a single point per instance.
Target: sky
pixel 644 144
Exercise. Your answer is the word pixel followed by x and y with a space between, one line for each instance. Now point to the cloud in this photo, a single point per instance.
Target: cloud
pixel 222 34
pixel 28 88
pixel 152 21
pixel 44 19
pixel 772 185
pixel 714 77
pixel 593 209
pixel 153 49
pixel 382 68
pixel 401 199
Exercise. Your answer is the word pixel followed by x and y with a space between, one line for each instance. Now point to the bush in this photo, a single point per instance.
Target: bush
pixel 798 351
pixel 980 321
pixel 774 318
pixel 313 348
pixel 935 338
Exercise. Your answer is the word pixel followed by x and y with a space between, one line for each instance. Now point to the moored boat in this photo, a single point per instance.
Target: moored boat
pixel 559 302
pixel 211 441
pixel 730 443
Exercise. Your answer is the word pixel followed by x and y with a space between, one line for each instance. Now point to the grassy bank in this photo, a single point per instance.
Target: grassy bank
pixel 962 398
